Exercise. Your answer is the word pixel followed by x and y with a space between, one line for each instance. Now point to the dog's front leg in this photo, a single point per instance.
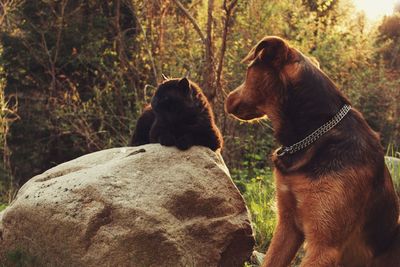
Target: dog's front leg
pixel 287 237
pixel 321 256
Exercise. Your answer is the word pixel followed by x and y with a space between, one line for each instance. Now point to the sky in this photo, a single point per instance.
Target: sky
pixel 375 9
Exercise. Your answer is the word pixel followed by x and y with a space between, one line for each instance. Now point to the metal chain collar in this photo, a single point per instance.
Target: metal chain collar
pixel 316 134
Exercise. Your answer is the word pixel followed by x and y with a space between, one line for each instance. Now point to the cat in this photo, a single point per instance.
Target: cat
pixel 179 115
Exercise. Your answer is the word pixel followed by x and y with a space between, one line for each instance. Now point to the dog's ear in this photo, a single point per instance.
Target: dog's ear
pixel 314 61
pixel 272 50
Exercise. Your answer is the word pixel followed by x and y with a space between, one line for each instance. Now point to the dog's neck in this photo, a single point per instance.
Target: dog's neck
pixel 308 105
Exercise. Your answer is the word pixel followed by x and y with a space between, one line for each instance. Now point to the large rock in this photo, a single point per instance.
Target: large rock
pixel 136 206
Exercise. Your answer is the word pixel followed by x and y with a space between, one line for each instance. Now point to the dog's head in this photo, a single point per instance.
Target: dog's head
pixel 274 67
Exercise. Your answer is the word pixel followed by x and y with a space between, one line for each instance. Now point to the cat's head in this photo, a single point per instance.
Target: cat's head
pixel 174 96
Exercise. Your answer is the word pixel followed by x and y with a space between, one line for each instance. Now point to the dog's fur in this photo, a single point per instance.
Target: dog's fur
pixel 337 194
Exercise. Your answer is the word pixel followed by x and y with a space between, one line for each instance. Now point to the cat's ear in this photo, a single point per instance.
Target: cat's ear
pixel 184 84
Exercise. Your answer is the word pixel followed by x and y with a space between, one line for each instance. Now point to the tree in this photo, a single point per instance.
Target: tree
pixel 69 64
pixel 389 32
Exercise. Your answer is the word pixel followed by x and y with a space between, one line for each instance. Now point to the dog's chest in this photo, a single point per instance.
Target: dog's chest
pixel 314 203
pixel 294 193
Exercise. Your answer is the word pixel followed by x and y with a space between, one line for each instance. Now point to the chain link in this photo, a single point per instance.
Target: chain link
pixel 316 134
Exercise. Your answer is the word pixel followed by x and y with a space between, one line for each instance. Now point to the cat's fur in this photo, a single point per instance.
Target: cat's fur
pixel 179 115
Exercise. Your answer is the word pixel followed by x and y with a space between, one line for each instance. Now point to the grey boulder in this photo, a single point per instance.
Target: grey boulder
pixel 132 206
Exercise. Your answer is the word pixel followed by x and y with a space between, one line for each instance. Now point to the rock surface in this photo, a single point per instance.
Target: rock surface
pixel 134 206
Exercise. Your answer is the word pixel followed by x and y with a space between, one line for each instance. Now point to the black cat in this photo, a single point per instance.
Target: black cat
pixel 179 115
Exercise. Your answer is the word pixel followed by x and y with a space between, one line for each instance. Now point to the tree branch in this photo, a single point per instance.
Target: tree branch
pixel 228 14
pixel 60 29
pixel 3 10
pixel 208 82
pixel 192 20
pixel 147 45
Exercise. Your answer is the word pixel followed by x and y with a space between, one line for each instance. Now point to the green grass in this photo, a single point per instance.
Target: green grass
pixel 260 199
pixel 3 206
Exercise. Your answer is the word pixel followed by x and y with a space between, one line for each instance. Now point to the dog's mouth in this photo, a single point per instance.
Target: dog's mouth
pixel 249 117
pixel 241 110
pixel 246 113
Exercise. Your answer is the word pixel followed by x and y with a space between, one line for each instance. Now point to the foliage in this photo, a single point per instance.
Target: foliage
pixel 2 206
pixel 7 116
pixel 389 37
pixel 82 70
pixel 75 81
pixel 393 164
pixel 260 199
pixel 74 76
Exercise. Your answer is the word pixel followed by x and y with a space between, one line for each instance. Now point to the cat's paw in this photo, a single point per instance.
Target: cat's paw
pixel 166 140
pixel 184 143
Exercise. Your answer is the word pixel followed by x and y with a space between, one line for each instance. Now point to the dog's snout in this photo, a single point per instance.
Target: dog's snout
pixel 232 103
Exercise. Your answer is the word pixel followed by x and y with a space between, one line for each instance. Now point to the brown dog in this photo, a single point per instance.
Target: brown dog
pixel 334 190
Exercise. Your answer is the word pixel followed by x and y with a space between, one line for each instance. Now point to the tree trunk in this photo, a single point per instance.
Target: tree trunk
pixel 208 83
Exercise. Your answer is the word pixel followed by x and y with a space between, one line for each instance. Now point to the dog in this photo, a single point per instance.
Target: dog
pixel 333 189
